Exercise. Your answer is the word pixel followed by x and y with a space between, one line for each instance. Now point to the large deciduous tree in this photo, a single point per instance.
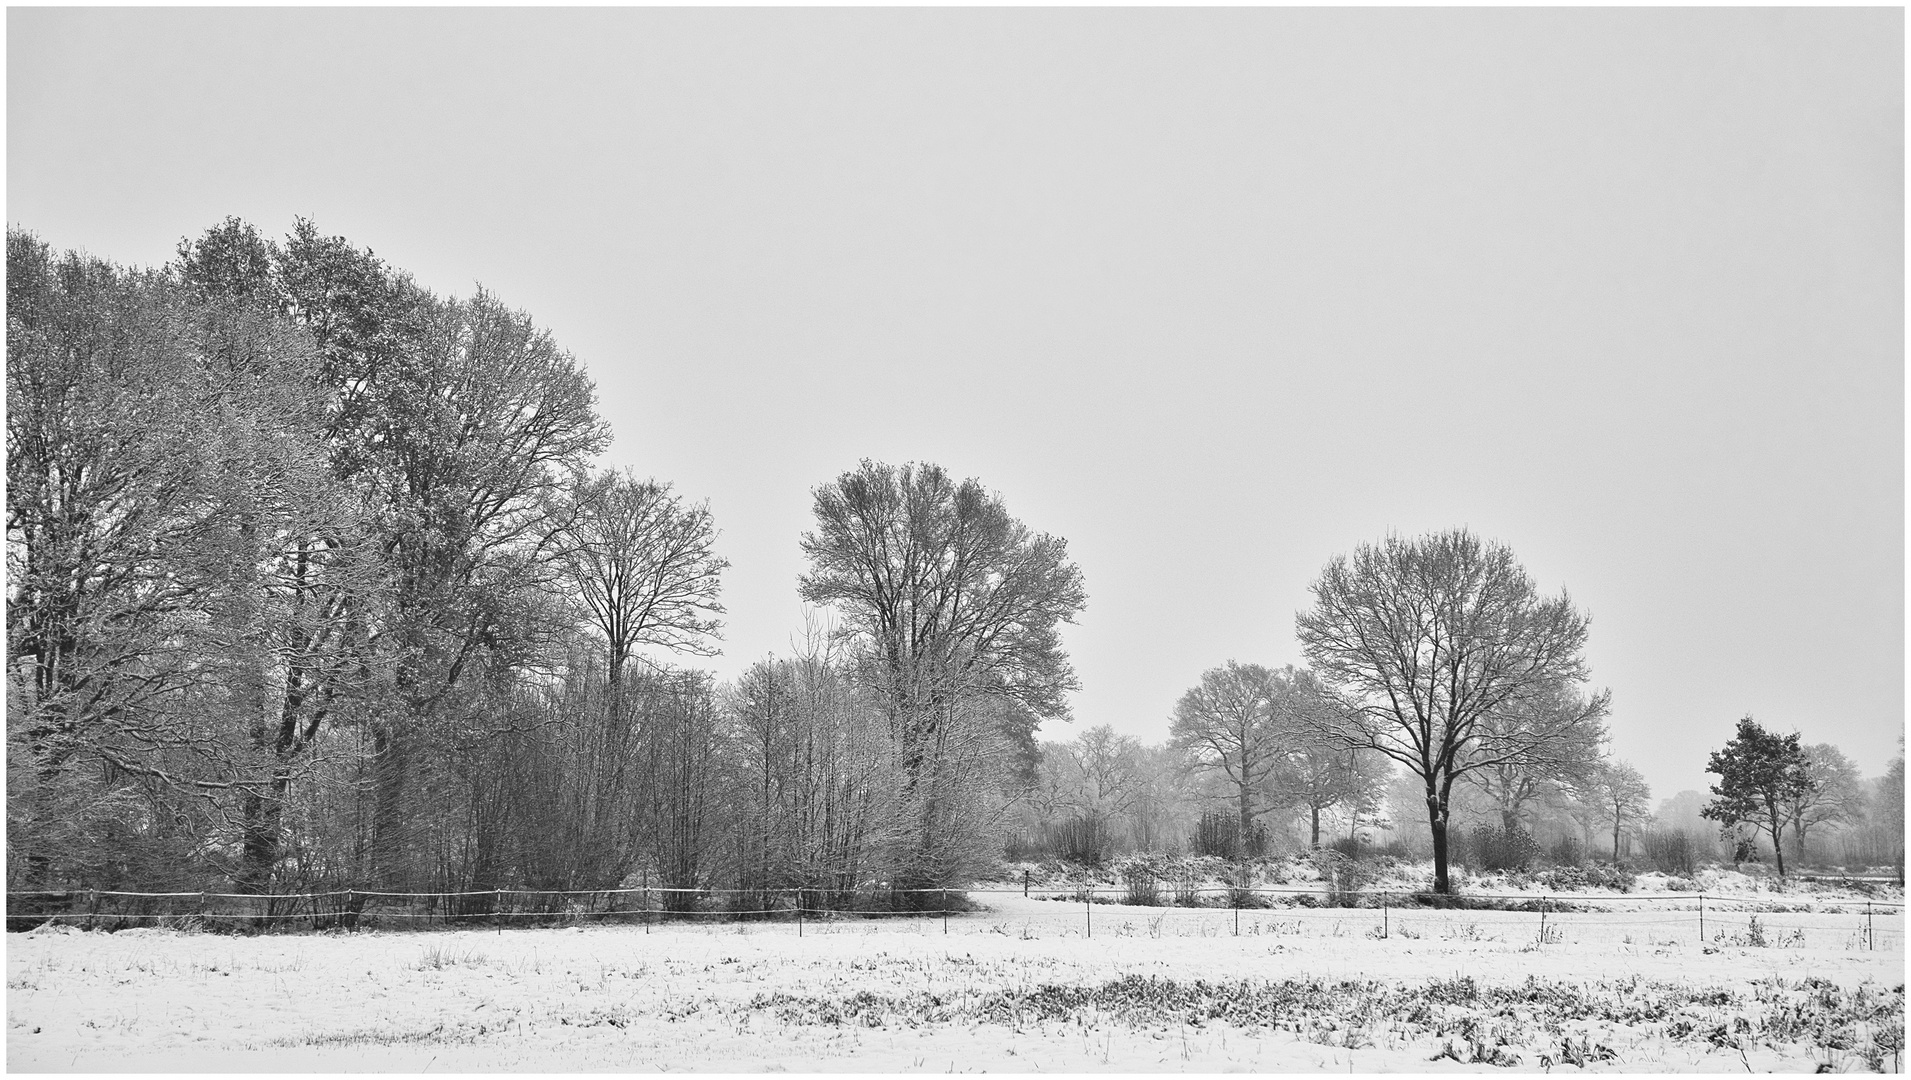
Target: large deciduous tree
pixel 456 423
pixel 951 600
pixel 1433 642
pixel 1760 774
pixel 476 438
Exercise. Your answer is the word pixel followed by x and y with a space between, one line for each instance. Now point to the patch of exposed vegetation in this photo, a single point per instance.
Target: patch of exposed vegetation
pixel 1550 1022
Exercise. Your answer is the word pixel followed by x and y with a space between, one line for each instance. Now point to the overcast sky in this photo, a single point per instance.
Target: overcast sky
pixel 1214 294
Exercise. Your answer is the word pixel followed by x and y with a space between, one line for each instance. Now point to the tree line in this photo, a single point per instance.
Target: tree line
pixel 313 583
pixel 1442 686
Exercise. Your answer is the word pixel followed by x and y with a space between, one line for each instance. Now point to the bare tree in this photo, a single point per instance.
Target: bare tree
pixel 643 568
pixel 1617 795
pixel 1430 640
pixel 1835 795
pixel 1098 774
pixel 950 599
pixel 1318 775
pixel 1515 783
pixel 643 565
pixel 1238 723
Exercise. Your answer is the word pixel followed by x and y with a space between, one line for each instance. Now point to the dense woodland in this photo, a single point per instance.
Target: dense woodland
pixel 314 582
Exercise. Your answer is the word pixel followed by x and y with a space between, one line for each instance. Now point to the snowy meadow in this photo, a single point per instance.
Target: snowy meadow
pixel 1019 986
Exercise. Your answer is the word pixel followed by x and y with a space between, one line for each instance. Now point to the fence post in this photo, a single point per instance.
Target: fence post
pixel 497 911
pixel 799 913
pixel 1386 931
pixel 1871 936
pixel 1701 918
pixel 945 913
pixel 1025 883
pixel 1542 919
pixel 1088 908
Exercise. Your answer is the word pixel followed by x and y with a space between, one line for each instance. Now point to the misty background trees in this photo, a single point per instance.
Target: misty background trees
pixel 314 583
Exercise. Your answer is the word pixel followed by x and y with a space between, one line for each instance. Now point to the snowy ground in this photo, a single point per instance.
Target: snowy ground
pixel 1019 988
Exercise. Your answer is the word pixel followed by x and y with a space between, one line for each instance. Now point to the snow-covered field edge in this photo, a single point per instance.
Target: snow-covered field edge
pixel 1019 987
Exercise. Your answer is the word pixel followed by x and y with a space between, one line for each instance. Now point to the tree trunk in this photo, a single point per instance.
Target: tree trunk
pixel 1778 837
pixel 1247 812
pixel 1315 841
pixel 1437 824
pixel 262 816
pixel 388 793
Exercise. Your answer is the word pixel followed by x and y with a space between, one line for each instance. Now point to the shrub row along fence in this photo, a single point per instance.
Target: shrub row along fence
pixel 352 909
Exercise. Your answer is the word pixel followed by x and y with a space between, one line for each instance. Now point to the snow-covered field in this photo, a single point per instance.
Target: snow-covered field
pixel 1019 988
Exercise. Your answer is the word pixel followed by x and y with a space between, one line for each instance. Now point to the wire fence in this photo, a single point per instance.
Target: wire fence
pixel 1218 909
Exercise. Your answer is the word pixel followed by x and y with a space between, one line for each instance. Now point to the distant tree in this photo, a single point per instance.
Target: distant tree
pixel 1227 725
pixel 1434 642
pixel 1160 814
pixel 1835 795
pixel 1369 778
pixel 1517 782
pixel 1318 774
pixel 1618 794
pixel 1889 802
pixel 1760 774
pixel 1099 774
pixel 951 600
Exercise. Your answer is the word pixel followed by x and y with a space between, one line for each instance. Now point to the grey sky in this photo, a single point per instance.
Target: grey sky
pixel 1215 294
